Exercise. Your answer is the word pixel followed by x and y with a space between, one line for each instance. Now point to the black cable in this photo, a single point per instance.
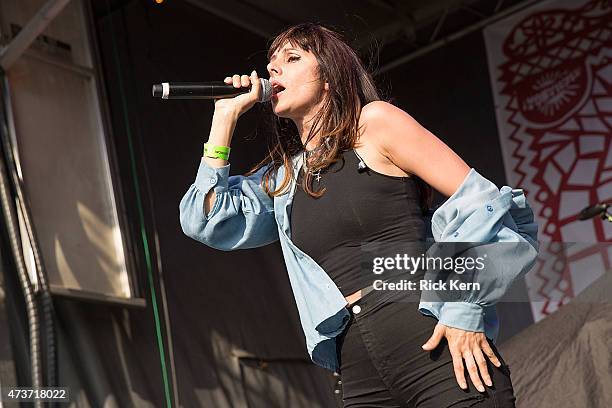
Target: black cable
pixel 10 217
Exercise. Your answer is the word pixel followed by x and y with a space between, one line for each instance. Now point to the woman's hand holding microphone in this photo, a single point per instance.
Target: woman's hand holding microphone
pixel 227 112
pixel 241 103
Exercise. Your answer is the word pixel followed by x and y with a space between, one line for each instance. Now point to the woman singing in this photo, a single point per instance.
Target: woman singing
pixel 348 169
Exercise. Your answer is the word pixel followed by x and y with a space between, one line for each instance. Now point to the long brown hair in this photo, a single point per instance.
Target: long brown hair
pixel 350 88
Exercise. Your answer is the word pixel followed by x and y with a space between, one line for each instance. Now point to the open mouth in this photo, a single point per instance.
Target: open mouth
pixel 277 89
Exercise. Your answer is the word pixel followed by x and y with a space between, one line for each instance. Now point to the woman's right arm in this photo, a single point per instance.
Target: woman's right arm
pixel 228 212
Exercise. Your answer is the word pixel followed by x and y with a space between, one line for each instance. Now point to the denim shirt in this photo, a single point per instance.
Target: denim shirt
pixel 244 216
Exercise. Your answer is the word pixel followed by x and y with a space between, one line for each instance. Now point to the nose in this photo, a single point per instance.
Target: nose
pixel 272 68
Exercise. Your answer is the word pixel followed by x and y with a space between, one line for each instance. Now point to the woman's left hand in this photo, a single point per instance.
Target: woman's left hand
pixel 468 345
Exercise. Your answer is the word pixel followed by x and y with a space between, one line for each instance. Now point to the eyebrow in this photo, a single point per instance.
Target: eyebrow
pixel 284 52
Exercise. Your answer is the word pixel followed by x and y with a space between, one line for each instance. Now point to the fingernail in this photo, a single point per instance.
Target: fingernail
pixel 480 388
pixel 254 72
pixel 463 385
pixel 489 383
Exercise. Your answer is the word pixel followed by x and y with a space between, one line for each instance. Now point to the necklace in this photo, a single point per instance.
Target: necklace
pixel 307 154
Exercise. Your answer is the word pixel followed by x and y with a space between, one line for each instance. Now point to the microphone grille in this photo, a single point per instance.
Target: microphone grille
pixel 266 90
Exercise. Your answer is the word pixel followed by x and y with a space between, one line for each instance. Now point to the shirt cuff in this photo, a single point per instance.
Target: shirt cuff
pixel 463 315
pixel 209 177
pixel 431 308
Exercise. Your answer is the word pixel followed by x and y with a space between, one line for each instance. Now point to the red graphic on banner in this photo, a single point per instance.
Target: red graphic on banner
pixel 552 94
pixel 558 77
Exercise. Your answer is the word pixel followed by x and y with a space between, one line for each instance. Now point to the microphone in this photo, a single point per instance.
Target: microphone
pixel 592 211
pixel 361 167
pixel 206 90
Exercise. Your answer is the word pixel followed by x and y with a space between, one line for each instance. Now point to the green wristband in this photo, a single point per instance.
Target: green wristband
pixel 216 152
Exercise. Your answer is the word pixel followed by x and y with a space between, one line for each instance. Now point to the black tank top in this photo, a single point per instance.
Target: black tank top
pixel 377 210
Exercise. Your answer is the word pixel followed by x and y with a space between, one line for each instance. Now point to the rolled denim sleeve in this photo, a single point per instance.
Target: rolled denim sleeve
pixel 463 315
pixel 242 215
pixel 501 225
pixel 506 261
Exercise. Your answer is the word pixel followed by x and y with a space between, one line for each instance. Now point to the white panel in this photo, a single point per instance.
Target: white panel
pixel 68 27
pixel 64 160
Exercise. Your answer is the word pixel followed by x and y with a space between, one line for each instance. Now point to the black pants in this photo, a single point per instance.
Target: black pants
pixel 382 363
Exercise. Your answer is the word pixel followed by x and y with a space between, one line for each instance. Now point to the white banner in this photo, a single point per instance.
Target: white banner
pixel 551 74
